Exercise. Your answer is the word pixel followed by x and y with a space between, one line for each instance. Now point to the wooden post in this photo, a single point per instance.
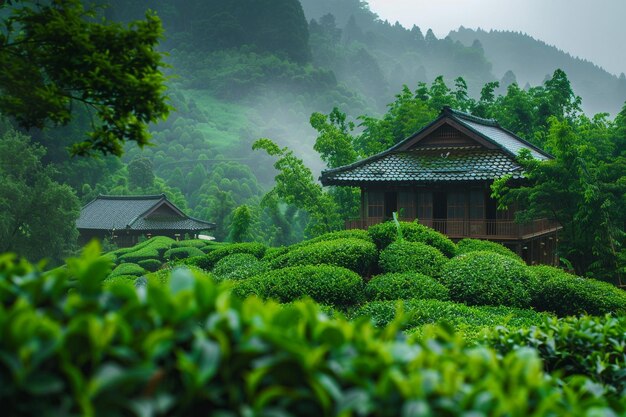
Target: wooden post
pixel 363 208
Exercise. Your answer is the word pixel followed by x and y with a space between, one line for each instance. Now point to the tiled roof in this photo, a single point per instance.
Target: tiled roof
pixel 440 164
pixel 504 138
pixel 127 212
pixel 427 166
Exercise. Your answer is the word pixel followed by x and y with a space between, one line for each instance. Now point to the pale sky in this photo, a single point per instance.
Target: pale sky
pixel 591 29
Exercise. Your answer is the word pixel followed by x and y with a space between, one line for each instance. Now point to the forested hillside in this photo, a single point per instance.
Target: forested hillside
pixel 520 58
pixel 243 70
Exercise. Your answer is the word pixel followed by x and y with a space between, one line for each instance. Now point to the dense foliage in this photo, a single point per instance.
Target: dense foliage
pixel 472 321
pixel 385 233
pixel 58 55
pixel 37 213
pixel 208 261
pixel 474 245
pixel 404 256
pixel 590 346
pixel 355 254
pixel 566 295
pixel 238 266
pixel 327 284
pixel 487 278
pixel 189 347
pixel 399 286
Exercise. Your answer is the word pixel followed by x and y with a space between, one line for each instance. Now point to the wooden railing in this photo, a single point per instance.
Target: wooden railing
pixel 480 229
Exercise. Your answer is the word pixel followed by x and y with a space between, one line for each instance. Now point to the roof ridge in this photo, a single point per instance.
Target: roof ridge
pixel 467 116
pixel 131 197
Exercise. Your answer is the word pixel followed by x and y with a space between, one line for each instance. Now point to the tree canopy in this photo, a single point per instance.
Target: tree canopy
pixel 37 214
pixel 56 55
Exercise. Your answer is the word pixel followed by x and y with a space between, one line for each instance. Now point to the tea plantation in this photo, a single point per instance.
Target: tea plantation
pixel 381 323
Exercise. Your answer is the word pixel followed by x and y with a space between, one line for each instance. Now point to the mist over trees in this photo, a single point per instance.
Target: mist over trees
pixel 328 82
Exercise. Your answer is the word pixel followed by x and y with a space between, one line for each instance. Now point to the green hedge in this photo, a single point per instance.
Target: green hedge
pixel 68 347
pixel 238 266
pixel 111 281
pixel 488 278
pixel 404 286
pixel 128 269
pixel 354 254
pixel 471 321
pixel 150 264
pixel 590 346
pixel 384 234
pixel 274 253
pixel 213 245
pixel 182 253
pixel 190 243
pixel 153 248
pixel 326 284
pixel 208 261
pixel 404 256
pixel 565 294
pixel 475 245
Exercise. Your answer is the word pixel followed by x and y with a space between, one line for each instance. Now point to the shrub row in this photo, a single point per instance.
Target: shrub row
pixel 208 261
pixel 405 256
pixel 182 253
pixel 128 269
pixel 471 321
pixel 384 234
pixel 342 234
pixel 190 243
pixel 488 278
pixel 153 248
pixel 400 286
pixel 590 346
pixel 565 294
pixel 354 254
pixel 238 266
pixel 475 245
pixel 189 347
pixel 327 284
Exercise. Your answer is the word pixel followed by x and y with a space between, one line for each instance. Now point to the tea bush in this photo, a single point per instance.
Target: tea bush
pixel 404 256
pixel 119 280
pixel 208 261
pixel 471 321
pixel 354 254
pixel 182 253
pixel 475 245
pixel 68 347
pixel 403 286
pixel 273 253
pixel 153 248
pixel 590 346
pixel 150 264
pixel 384 234
pixel 190 243
pixel 212 245
pixel 565 294
pixel 326 284
pixel 128 269
pixel 238 266
pixel 487 278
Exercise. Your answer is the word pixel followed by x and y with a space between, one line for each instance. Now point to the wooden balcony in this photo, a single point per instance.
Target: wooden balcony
pixel 477 229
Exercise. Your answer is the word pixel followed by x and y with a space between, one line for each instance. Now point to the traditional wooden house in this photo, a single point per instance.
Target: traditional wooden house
pixel 441 176
pixel 124 219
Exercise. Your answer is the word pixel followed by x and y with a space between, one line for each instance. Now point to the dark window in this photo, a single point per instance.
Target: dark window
pixel 391 204
pixel 440 205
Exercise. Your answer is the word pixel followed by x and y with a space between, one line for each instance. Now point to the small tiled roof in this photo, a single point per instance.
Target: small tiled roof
pixel 440 164
pixel 129 212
